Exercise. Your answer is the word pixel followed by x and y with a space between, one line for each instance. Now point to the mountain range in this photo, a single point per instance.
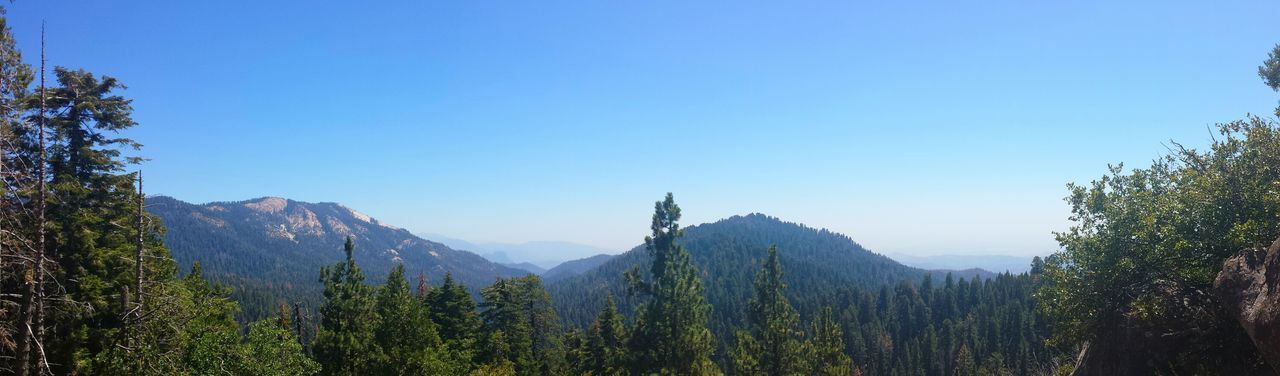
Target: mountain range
pixel 270 250
pixel 544 254
pixel 993 263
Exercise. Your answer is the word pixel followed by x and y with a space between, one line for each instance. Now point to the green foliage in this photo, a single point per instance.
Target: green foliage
pixel 964 363
pixel 520 309
pixel 1146 245
pixel 454 312
pixel 1270 69
pixel 606 342
pixel 671 335
pixel 825 350
pixel 274 351
pixel 819 263
pixel 774 345
pixel 344 345
pixel 94 197
pixel 405 339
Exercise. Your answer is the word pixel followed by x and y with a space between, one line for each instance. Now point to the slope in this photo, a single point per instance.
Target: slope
pixel 270 250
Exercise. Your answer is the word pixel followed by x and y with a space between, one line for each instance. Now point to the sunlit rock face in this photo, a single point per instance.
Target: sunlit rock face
pixel 1249 286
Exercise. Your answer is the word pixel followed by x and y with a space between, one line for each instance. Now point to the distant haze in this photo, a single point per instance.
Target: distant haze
pixel 992 263
pixel 545 254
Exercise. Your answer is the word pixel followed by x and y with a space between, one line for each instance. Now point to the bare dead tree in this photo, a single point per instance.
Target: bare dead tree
pixel 137 276
pixel 137 258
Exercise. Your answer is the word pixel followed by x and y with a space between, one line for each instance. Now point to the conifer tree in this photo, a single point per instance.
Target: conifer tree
pixel 502 314
pixel 344 342
pixel 671 335
pixel 405 337
pixel 274 351
pixel 965 365
pixel 774 345
pixel 825 351
pixel 606 342
pixel 90 254
pixel 545 336
pixel 521 309
pixel 454 312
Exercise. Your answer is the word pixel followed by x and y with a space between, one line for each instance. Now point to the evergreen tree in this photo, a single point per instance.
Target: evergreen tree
pixel 774 346
pixel 405 337
pixel 454 312
pixel 344 344
pixel 825 350
pixel 502 314
pixel 212 333
pixel 274 351
pixel 87 243
pixel 671 335
pixel 521 309
pixel 965 365
pixel 606 342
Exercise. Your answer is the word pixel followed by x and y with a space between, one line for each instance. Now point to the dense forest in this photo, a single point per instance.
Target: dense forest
pixel 89 287
pixel 269 249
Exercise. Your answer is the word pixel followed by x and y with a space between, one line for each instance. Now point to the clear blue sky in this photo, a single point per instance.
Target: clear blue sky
pixel 914 127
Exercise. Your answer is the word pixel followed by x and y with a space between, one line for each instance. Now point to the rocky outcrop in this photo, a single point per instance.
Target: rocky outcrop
pixel 1184 338
pixel 1249 287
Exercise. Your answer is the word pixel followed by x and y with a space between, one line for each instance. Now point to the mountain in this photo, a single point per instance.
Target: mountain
pixel 575 267
pixel 992 263
pixel 970 273
pixel 270 250
pixel 545 254
pixel 528 267
pixel 821 268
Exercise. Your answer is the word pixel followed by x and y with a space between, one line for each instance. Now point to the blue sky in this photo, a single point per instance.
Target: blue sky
pixel 914 127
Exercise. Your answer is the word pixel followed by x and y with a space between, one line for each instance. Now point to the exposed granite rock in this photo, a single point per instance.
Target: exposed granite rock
pixel 1249 287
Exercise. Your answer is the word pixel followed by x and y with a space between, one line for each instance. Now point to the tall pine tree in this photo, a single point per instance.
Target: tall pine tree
pixel 774 345
pixel 406 340
pixel 344 344
pixel 825 350
pixel 520 308
pixel 671 335
pixel 454 312
pixel 606 342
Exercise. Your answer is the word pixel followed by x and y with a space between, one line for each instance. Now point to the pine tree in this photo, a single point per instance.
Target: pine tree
pixel 502 314
pixel 405 337
pixel 671 335
pixel 274 351
pixel 345 341
pixel 521 309
pixel 825 350
pixel 454 312
pixel 774 346
pixel 91 249
pixel 547 348
pixel 964 365
pixel 606 342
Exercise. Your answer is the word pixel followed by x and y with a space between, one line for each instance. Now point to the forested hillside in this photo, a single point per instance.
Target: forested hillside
pixel 575 267
pixel 269 249
pixel 728 252
pixel 881 303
